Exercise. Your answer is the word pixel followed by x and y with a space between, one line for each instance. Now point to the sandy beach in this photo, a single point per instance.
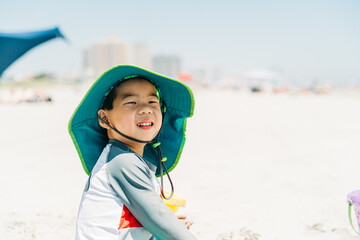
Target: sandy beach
pixel 255 166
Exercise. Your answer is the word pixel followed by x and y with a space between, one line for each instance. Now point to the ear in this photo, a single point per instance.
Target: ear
pixel 102 115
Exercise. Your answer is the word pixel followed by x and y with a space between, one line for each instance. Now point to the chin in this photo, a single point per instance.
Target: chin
pixel 149 138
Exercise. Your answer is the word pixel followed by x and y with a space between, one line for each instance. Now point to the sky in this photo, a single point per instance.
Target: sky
pixel 301 40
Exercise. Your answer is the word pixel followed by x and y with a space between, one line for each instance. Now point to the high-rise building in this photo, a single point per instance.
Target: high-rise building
pixel 207 76
pixel 166 65
pixel 142 55
pixel 111 52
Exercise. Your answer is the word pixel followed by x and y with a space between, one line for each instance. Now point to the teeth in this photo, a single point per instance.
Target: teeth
pixel 144 124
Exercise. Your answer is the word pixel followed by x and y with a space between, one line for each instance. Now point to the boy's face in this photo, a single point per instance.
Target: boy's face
pixel 136 111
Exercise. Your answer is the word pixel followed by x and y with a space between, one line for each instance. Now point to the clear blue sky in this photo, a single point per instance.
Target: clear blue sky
pixel 304 39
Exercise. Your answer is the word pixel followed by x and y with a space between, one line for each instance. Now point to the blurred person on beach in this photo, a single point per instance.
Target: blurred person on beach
pixel 135 112
pixel 24 95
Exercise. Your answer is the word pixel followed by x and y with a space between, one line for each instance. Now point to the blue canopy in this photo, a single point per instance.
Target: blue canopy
pixel 14 45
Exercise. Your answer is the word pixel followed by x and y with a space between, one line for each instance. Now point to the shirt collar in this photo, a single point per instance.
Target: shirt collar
pixel 124 147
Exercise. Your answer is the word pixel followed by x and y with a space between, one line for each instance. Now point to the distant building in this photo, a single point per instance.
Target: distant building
pixel 142 56
pixel 111 52
pixel 207 76
pixel 166 65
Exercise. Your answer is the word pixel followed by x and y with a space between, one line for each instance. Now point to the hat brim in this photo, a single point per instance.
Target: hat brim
pixel 90 138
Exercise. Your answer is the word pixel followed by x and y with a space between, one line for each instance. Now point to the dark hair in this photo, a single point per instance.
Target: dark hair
pixel 109 99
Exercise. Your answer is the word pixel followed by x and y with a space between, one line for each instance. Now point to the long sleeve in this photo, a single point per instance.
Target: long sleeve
pixel 131 179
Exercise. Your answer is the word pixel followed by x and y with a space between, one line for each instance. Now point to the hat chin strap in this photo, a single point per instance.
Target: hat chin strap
pixel 161 159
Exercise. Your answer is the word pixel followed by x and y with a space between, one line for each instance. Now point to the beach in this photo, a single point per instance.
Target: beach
pixel 254 166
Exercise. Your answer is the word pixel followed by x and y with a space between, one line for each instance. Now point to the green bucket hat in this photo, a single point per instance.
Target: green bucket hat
pixel 90 138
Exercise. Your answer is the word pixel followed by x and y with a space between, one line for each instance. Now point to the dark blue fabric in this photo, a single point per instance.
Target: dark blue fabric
pixel 14 45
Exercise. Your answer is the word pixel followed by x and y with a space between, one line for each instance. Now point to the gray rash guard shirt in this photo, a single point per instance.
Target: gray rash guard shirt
pixel 122 200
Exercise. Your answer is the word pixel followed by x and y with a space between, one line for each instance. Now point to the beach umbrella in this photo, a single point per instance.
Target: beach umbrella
pixel 15 45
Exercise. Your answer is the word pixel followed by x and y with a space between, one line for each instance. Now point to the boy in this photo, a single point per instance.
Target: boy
pixel 113 129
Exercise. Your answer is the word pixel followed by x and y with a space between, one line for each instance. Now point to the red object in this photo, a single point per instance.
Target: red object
pixel 185 77
pixel 128 220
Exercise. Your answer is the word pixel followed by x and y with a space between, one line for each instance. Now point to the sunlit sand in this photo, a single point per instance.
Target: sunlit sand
pixel 255 166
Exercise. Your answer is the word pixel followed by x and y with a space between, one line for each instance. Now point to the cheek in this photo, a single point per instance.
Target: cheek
pixel 122 120
pixel 159 119
pixel 159 114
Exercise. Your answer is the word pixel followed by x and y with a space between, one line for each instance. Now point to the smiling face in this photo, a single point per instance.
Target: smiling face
pixel 135 113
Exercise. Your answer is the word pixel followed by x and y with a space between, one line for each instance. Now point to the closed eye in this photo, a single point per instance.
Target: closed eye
pixel 130 102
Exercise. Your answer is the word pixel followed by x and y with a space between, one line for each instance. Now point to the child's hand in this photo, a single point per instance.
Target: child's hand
pixel 187 223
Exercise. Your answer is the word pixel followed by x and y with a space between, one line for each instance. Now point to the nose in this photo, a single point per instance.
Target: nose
pixel 144 109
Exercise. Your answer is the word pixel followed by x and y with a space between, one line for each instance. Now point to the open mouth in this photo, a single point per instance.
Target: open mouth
pixel 145 124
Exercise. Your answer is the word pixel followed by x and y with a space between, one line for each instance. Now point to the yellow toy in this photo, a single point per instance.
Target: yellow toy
pixel 175 202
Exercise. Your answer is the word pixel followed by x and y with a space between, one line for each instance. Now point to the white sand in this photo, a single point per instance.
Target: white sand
pixel 257 166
